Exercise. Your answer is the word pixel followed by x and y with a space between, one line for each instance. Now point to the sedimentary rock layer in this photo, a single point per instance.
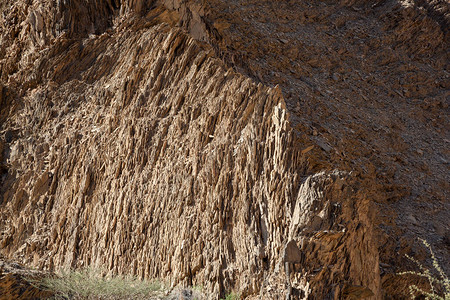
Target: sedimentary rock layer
pixel 143 155
pixel 137 139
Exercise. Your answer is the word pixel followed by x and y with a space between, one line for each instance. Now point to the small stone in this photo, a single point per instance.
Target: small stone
pixel 304 151
pixel 443 160
pixel 9 136
pixel 324 146
pixel 292 253
pixel 412 219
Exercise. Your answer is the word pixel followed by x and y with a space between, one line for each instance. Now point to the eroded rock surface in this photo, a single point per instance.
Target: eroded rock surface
pixel 17 282
pixel 202 142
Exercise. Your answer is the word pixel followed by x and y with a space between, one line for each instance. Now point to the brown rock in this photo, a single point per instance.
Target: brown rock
pixel 152 138
pixel 291 253
pixel 16 282
pixel 356 292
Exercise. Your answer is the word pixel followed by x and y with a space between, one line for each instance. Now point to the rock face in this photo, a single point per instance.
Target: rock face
pixel 267 148
pixel 15 283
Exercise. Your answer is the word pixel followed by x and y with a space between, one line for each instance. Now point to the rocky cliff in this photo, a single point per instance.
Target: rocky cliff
pixel 267 148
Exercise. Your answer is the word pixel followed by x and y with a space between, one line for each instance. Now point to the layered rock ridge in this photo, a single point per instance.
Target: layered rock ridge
pixel 151 159
pixel 366 83
pixel 128 146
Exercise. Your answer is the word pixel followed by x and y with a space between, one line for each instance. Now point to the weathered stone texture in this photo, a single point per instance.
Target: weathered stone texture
pixel 152 138
pixel 17 282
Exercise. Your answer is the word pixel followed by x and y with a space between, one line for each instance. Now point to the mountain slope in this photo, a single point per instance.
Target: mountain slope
pixel 226 143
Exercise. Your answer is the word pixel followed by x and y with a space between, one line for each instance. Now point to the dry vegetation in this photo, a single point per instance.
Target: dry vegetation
pixel 439 283
pixel 90 284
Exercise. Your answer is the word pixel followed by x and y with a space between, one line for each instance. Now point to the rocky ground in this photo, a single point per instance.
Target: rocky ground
pixel 367 83
pixel 15 282
pixel 261 147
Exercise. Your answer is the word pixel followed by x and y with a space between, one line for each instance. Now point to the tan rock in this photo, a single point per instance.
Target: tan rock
pixel 170 152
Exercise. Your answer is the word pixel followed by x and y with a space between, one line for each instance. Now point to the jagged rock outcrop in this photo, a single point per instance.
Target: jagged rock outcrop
pixel 17 282
pixel 137 138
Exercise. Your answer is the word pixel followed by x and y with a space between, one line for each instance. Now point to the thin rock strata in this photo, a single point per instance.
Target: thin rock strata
pixel 175 168
pixel 17 282
pixel 130 145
